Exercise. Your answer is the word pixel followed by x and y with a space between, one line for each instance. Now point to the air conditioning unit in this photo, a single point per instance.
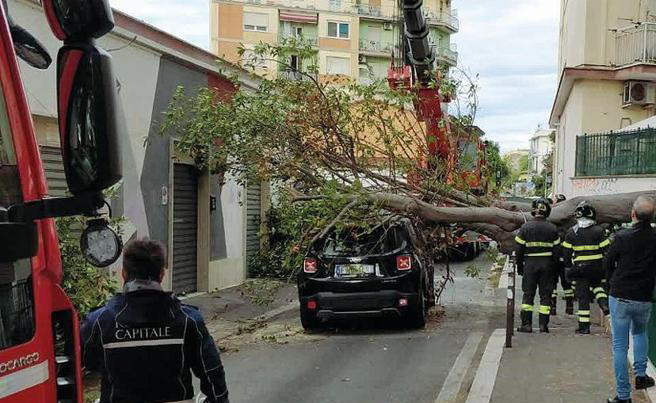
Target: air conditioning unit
pixel 362 59
pixel 387 26
pixel 639 93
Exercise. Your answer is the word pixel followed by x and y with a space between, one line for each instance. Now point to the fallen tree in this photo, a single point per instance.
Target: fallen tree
pixel 331 145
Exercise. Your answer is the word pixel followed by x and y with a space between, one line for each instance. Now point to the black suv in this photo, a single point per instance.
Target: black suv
pixel 354 272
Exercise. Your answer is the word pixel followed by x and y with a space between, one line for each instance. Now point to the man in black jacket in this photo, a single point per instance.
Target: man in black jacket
pixel 145 342
pixel 631 268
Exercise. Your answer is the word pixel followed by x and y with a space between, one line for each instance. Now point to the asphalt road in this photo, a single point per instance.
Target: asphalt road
pixel 373 362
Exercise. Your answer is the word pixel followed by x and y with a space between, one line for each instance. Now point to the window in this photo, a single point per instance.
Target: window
pixel 252 60
pixel 338 30
pixel 338 65
pixel 256 22
pixel 17 323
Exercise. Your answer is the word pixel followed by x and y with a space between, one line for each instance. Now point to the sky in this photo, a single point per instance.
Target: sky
pixel 512 45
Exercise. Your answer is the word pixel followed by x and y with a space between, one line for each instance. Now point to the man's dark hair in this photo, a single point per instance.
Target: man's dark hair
pixel 144 259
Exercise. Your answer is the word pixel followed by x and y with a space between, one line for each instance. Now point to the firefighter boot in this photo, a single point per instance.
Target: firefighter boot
pixel 584 328
pixel 544 323
pixel 569 306
pixel 603 304
pixel 554 304
pixel 527 322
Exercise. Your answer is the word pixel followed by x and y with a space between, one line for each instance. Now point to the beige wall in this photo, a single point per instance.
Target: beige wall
pixel 594 106
pixel 230 21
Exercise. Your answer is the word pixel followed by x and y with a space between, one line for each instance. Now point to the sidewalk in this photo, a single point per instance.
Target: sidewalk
pixel 559 366
pixel 238 315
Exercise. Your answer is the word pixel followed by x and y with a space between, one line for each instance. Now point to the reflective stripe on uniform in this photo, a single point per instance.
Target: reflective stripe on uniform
pixel 587 258
pixel 557 241
pixel 604 243
pixel 583 312
pixel 567 245
pixel 520 240
pixel 539 254
pixel 579 248
pixel 584 319
pixel 569 292
pixel 597 290
pixel 545 309
pixel 527 308
pixel 540 244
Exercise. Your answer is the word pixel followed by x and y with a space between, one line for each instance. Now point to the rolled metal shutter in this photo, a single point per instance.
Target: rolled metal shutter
pixel 53 165
pixel 185 228
pixel 253 219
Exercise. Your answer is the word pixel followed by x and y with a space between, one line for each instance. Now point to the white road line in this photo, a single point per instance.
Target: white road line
pixel 651 371
pixel 456 376
pixel 486 375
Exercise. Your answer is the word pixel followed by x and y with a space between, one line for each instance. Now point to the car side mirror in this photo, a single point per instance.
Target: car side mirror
pixel 79 20
pixel 18 240
pixel 89 124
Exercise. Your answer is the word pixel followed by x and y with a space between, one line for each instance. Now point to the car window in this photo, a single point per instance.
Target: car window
pixel 17 324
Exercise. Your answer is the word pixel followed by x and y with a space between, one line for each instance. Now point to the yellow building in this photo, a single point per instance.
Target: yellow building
pixel 353 38
pixel 607 68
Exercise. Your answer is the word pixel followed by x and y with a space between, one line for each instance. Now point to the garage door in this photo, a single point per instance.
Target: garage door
pixel 54 168
pixel 185 228
pixel 253 208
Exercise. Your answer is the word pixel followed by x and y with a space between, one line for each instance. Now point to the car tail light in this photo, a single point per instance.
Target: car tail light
pixel 404 262
pixel 312 305
pixel 310 265
pixel 403 302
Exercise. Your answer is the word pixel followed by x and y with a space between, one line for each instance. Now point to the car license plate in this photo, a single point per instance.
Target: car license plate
pixel 354 270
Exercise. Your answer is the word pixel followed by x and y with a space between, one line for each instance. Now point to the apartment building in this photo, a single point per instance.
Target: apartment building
pixel 353 38
pixel 540 147
pixel 607 67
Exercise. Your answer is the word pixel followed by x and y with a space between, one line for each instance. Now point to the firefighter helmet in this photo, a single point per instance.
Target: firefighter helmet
pixel 585 210
pixel 541 207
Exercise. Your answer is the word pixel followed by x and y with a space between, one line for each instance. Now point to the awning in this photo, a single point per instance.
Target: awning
pixel 295 16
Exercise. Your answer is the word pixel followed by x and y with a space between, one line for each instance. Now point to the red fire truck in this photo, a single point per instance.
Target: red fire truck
pixel 39 337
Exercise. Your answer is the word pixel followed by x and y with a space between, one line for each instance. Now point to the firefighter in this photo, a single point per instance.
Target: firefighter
pixel 568 290
pixel 583 250
pixel 537 243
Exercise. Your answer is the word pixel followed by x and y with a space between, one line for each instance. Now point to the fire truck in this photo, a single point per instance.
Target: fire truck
pixel 39 329
pixel 458 149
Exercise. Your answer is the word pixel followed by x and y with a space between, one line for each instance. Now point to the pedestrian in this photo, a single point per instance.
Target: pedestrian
pixel 568 290
pixel 583 252
pixel 631 267
pixel 145 342
pixel 537 241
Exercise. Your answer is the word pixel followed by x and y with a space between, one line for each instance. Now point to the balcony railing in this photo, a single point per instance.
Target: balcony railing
pixel 295 75
pixel 446 19
pixel 621 153
pixel 376 47
pixel 299 38
pixel 636 44
pixel 448 55
pixel 374 11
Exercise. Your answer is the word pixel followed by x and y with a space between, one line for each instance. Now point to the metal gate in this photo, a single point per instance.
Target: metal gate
pixel 253 219
pixel 54 168
pixel 185 228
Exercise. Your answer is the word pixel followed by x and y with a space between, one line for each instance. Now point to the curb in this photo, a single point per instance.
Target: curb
pixel 650 393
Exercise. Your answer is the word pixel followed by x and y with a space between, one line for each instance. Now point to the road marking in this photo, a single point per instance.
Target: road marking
pixel 486 375
pixel 651 371
pixel 456 376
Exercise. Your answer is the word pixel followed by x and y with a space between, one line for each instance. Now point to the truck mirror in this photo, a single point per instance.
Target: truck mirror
pixel 89 124
pixel 100 245
pixel 18 240
pixel 79 20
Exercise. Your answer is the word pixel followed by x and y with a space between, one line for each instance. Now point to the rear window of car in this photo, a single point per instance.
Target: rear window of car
pixel 360 242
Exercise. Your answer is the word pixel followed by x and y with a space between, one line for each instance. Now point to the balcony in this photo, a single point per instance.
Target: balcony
pixel 446 55
pixel 376 48
pixel 376 12
pixel 448 20
pixel 636 44
pixel 616 153
pixel 295 75
pixel 288 36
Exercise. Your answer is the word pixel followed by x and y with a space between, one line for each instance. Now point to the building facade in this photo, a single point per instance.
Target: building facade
pixel 353 38
pixel 607 67
pixel 540 147
pixel 163 196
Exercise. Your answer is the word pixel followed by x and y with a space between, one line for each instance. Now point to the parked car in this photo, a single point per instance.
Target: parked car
pixel 385 271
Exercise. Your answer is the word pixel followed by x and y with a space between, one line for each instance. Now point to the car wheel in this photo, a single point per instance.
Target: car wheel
pixel 309 320
pixel 417 314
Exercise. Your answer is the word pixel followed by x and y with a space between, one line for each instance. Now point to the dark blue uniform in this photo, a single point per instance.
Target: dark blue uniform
pixel 146 343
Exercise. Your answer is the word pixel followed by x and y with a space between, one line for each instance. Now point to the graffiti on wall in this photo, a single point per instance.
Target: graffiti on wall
pixel 595 185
